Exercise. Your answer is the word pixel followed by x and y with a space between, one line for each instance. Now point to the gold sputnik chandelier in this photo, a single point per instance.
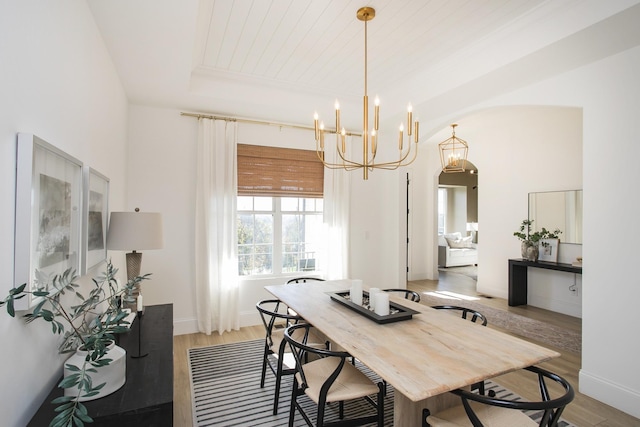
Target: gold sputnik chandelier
pixel 453 153
pixel 369 136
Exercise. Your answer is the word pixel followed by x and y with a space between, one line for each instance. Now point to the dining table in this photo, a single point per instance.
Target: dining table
pixel 422 356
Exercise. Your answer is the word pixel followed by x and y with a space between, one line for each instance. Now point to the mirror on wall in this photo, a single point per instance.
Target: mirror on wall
pixel 558 209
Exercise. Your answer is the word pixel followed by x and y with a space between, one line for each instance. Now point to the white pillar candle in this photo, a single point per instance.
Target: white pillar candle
pixel 355 294
pixel 381 304
pixel 372 297
pixel 139 302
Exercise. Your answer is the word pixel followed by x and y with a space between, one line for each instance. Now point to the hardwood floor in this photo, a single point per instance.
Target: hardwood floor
pixel 583 411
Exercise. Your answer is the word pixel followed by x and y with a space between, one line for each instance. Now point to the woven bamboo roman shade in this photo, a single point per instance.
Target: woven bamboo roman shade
pixel 275 171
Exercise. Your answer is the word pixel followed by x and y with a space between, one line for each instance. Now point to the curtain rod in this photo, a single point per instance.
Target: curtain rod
pixel 255 122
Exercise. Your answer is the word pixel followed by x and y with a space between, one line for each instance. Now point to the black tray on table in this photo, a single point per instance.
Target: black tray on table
pixel 396 311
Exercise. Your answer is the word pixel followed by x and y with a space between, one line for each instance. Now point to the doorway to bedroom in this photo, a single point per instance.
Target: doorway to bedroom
pixel 458 222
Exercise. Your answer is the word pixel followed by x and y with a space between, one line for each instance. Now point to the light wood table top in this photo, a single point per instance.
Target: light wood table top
pixel 422 357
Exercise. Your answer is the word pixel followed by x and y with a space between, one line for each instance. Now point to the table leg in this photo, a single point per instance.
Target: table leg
pixel 407 413
pixel 517 284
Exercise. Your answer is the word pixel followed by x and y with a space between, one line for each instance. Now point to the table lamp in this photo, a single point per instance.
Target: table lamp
pixel 472 227
pixel 134 231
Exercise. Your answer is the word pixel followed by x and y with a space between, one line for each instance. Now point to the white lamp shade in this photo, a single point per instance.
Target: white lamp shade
pixel 135 231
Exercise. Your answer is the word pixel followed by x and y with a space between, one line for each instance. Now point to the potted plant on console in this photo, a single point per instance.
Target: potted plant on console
pixel 531 241
pixel 88 329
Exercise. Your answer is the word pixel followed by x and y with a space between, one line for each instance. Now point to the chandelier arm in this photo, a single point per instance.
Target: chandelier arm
pixel 401 162
pixel 346 163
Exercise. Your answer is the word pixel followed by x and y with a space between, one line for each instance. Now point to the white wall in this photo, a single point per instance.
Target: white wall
pixel 611 106
pixel 57 81
pixel 609 95
pixel 161 166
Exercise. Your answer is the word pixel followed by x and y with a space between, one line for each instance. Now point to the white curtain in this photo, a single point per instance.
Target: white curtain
pixel 216 264
pixel 336 218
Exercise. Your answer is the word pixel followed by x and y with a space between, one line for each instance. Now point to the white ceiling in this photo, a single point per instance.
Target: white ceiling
pixel 282 60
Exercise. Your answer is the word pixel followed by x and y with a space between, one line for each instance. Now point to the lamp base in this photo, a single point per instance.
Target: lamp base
pixel 134 260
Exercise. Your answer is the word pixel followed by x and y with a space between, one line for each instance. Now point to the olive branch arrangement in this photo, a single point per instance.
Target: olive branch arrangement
pixel 532 239
pixel 90 325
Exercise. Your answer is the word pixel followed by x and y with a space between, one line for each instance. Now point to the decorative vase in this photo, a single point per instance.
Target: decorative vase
pixel 530 251
pixel 113 375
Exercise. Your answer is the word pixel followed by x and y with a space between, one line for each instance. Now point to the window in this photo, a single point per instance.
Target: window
pixel 279 204
pixel 442 209
pixel 278 234
pixel 255 227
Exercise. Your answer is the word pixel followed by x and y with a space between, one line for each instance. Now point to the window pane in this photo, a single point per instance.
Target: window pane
pixel 263 203
pixel 442 210
pixel 263 259
pixel 245 265
pixel 255 244
pixel 244 203
pixel 301 235
pixel 264 229
pixel 289 204
pixel 245 229
pixel 310 205
pixel 292 228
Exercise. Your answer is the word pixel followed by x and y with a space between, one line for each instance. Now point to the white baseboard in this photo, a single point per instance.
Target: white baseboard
pixel 185 326
pixel 565 307
pixel 250 318
pixel 612 394
pixel 190 325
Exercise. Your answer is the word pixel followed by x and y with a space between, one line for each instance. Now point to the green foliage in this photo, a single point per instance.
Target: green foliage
pixel 90 325
pixel 534 238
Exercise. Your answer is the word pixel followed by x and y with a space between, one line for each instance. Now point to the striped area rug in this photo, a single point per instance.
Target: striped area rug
pixel 225 390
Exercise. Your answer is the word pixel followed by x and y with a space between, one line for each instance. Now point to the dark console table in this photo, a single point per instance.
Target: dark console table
pixel 146 398
pixel 518 276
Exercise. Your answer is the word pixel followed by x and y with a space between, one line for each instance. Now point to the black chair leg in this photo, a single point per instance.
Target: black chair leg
pixel 264 368
pixel 320 421
pixel 292 408
pixel 425 414
pixel 276 398
pixel 381 394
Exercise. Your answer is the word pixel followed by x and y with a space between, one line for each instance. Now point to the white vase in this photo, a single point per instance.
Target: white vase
pixel 530 251
pixel 113 375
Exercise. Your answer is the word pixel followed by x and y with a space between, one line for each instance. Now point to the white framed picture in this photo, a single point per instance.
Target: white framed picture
pixel 48 209
pixel 95 216
pixel 548 250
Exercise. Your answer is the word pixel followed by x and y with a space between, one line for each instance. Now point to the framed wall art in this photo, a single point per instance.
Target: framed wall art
pixel 48 214
pixel 548 250
pixel 95 216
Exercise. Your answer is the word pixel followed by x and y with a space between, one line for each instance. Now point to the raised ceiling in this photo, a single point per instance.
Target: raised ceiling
pixel 281 60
